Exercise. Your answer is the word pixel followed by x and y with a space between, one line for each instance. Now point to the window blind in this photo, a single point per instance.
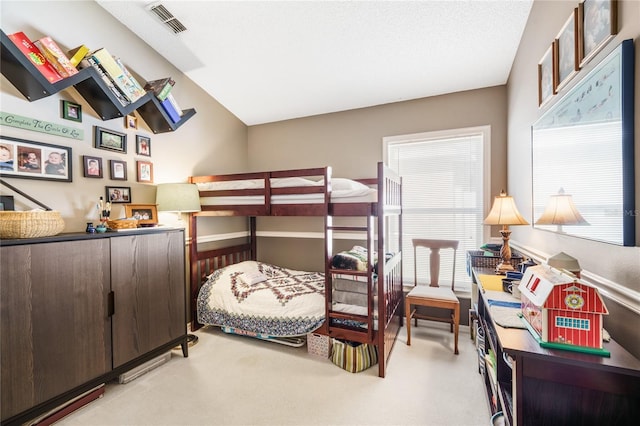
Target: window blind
pixel 443 198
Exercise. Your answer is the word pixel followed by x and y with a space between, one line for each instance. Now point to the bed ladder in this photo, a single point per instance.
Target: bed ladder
pixel 343 325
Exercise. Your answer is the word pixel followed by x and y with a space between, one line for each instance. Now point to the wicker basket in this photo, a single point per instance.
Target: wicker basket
pixel 122 224
pixel 480 259
pixel 31 224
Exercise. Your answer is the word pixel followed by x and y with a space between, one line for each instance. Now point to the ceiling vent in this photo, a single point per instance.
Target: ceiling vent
pixel 167 18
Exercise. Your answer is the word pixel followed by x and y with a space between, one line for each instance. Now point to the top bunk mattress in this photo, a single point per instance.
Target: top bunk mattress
pixel 343 191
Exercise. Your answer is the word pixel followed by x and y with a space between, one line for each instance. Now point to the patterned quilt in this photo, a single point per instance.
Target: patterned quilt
pixel 262 298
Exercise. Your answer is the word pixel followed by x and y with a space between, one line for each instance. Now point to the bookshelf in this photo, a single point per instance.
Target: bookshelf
pixel 34 86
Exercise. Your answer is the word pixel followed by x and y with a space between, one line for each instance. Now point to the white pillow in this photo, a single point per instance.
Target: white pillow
pixel 251 278
pixel 292 181
pixel 342 184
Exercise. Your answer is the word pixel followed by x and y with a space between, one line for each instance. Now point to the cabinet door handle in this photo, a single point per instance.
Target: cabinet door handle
pixel 111 304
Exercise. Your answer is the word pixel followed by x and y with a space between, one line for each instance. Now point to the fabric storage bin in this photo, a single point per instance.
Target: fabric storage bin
pixel 319 345
pixel 353 357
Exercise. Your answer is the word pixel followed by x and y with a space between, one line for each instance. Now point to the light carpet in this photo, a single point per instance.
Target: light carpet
pixel 234 380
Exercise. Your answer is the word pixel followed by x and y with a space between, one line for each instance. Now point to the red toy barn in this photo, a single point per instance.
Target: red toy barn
pixel 562 309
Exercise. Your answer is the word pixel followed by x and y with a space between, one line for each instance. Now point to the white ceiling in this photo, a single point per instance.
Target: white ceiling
pixel 268 61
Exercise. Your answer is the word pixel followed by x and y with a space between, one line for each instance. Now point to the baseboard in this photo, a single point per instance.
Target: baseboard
pixel 144 368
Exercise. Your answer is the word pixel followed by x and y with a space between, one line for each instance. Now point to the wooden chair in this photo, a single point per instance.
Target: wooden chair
pixel 433 295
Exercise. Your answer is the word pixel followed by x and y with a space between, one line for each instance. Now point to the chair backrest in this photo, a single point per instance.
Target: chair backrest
pixel 434 259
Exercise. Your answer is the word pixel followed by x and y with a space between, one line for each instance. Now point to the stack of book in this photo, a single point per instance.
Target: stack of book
pixel 56 57
pixel 160 88
pixel 36 57
pixel 115 75
pixel 172 108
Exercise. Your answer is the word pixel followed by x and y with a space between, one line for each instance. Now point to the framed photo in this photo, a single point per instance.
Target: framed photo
pixel 146 214
pixel 110 140
pixel 131 121
pixel 6 203
pixel 597 24
pixel 21 158
pixel 118 194
pixel 92 166
pixel 143 145
pixel 566 63
pixel 118 169
pixel 546 86
pixel 145 171
pixel 71 111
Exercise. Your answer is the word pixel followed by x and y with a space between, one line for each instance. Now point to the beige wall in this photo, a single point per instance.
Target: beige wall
pixel 213 141
pixel 351 143
pixel 620 266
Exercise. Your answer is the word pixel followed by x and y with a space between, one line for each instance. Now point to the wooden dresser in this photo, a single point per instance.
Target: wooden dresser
pixel 80 309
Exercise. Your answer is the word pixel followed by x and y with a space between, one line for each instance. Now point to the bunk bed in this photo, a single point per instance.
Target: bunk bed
pixel 375 204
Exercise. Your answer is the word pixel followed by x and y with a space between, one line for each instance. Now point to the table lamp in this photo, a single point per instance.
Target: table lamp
pixel 561 210
pixel 504 212
pixel 178 197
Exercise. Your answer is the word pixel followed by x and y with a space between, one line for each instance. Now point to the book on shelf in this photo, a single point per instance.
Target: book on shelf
pixel 117 74
pixel 50 49
pixel 139 90
pixel 171 111
pixel 36 57
pixel 88 61
pixel 173 101
pixel 160 88
pixel 76 55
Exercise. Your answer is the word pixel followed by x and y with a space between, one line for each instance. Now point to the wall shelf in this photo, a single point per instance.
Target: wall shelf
pixel 34 86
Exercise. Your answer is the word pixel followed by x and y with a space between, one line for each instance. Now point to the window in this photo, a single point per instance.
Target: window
pixel 444 192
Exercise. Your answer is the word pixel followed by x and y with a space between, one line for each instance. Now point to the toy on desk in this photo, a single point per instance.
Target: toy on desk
pixel 561 311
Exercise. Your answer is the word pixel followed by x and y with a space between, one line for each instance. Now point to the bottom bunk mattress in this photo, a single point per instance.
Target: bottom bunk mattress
pixel 264 299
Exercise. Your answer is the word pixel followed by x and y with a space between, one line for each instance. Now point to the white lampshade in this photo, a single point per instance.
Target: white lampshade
pixel 504 212
pixel 561 210
pixel 178 197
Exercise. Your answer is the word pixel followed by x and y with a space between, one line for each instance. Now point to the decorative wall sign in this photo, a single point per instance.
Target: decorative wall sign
pixel 27 123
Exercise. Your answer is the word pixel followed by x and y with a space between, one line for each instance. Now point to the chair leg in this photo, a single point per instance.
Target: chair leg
pixel 407 310
pixel 456 326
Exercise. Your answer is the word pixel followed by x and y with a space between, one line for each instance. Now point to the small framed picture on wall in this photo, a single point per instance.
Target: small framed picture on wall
pixel 92 166
pixel 118 169
pixel 145 171
pixel 143 145
pixel 546 85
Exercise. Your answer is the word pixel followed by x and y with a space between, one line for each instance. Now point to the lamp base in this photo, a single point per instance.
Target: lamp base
pixel 503 268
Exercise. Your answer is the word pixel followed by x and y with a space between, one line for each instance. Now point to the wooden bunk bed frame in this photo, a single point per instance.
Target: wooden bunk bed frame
pixel 385 316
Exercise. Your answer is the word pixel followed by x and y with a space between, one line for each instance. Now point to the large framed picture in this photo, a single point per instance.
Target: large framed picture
pixel 118 169
pixel 118 194
pixel 566 63
pixel 145 171
pixel 597 25
pixel 110 140
pixel 26 159
pixel 546 81
pixel 92 166
pixel 146 214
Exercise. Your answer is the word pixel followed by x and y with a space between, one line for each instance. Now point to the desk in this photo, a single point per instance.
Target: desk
pixel 538 386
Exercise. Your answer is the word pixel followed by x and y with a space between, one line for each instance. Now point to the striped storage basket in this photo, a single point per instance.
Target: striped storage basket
pixel 353 357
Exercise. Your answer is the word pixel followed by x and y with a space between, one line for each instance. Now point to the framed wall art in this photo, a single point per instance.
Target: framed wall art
pixel 546 83
pixel 22 158
pixel 110 140
pixel 118 194
pixel 92 166
pixel 71 111
pixel 597 25
pixel 131 121
pixel 143 145
pixel 118 170
pixel 146 214
pixel 145 171
pixel 566 63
